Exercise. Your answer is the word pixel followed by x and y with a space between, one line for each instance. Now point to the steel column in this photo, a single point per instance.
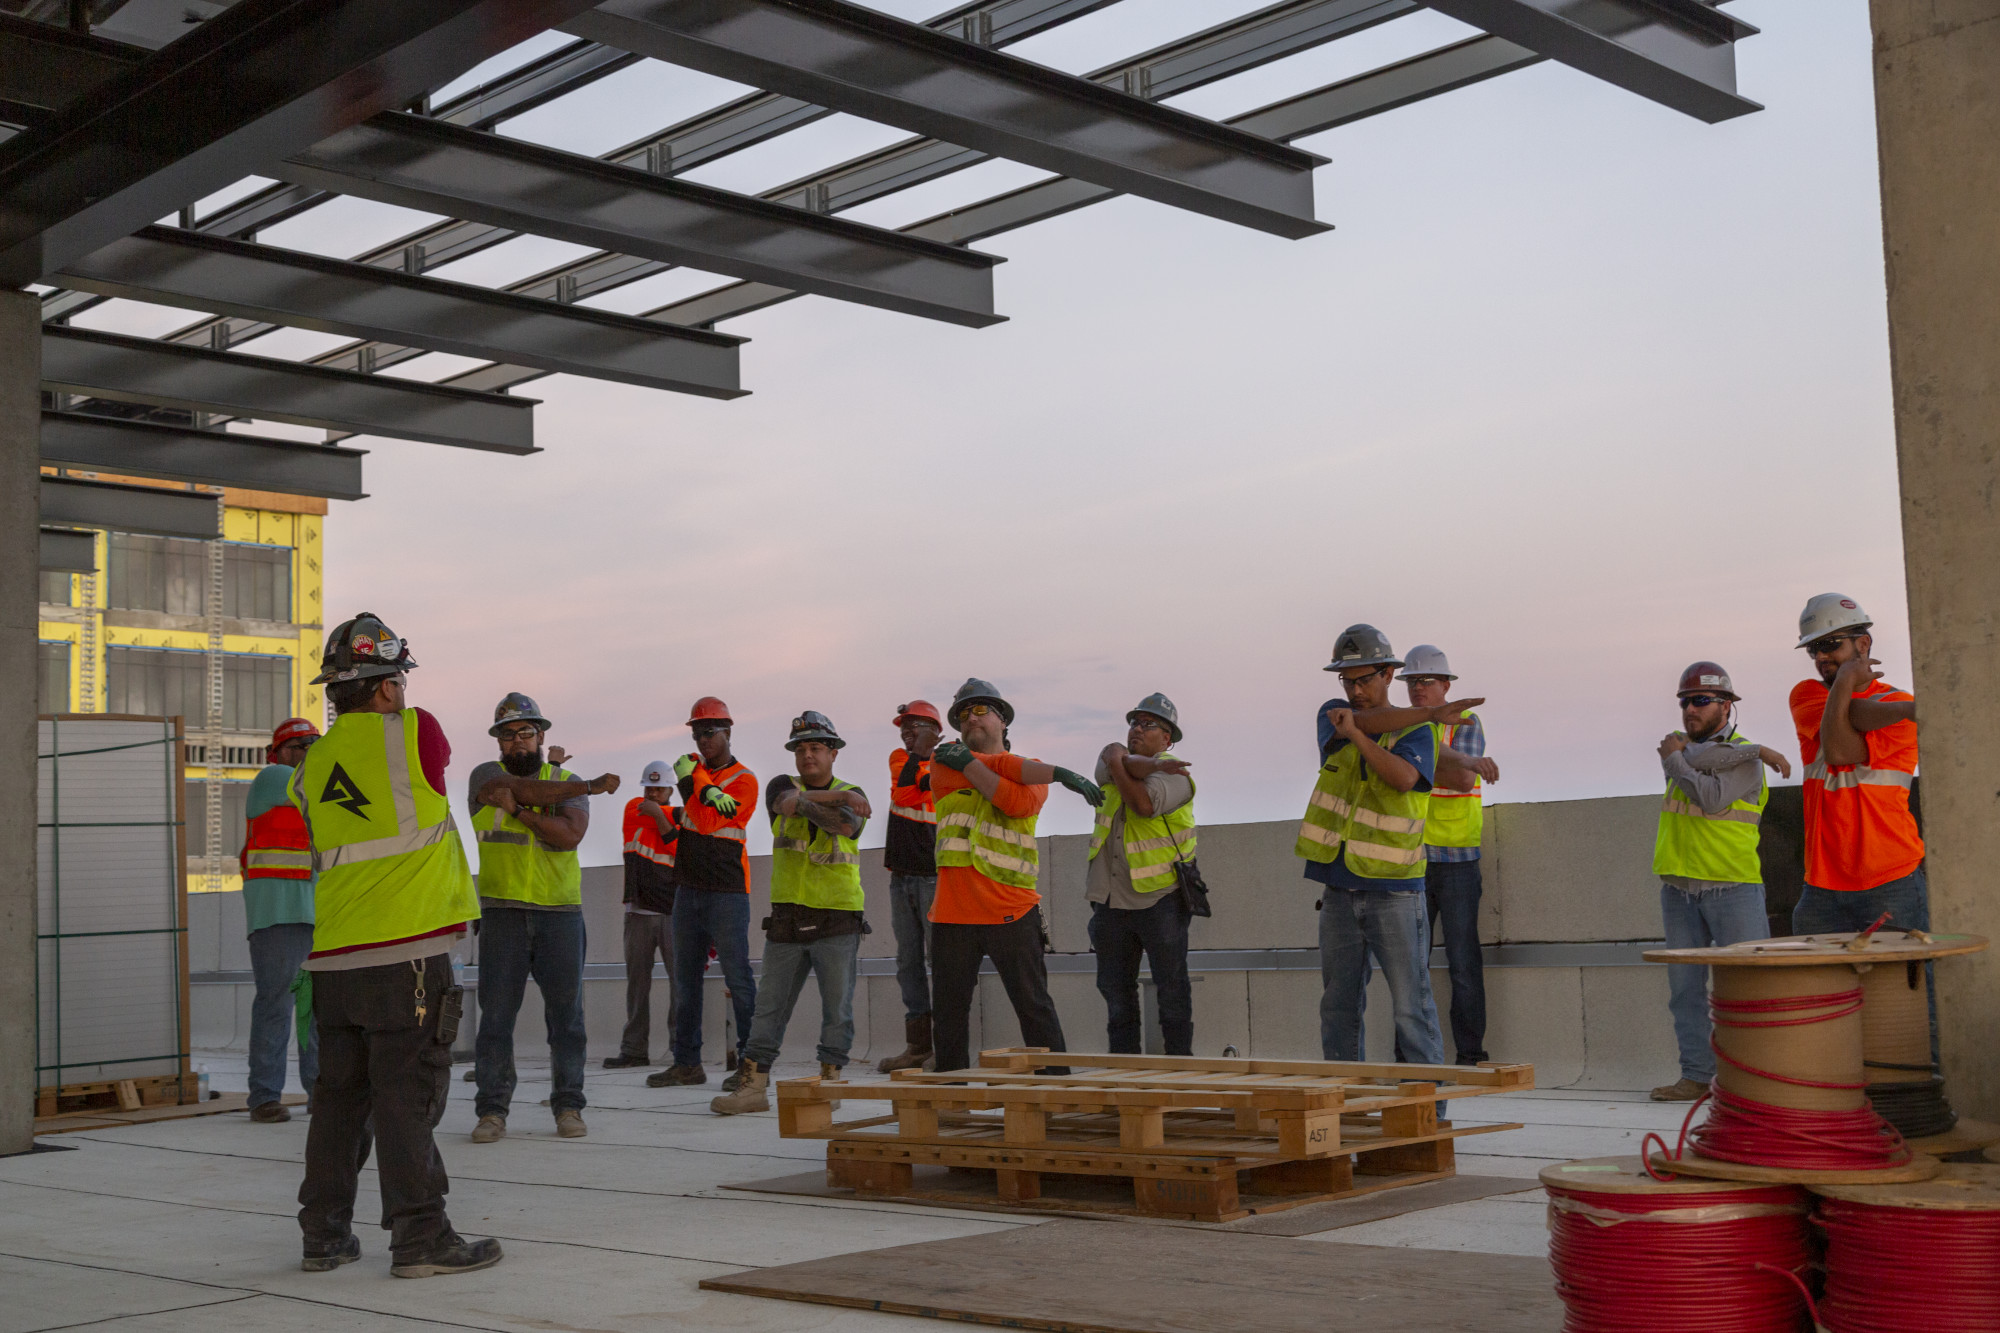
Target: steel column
pixel 69 502
pixel 202 457
pixel 20 582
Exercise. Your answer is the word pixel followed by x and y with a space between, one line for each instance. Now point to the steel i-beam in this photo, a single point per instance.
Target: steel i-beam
pixel 150 510
pixel 203 457
pixel 68 551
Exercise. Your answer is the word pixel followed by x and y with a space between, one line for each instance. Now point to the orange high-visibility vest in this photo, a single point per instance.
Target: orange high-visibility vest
pixel 277 846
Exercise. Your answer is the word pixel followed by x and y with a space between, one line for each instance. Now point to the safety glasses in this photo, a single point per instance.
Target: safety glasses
pixel 976 710
pixel 1364 677
pixel 708 729
pixel 1702 700
pixel 1829 645
pixel 519 735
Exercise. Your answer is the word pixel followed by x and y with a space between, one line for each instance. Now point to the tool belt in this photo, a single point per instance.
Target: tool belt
pixel 795 923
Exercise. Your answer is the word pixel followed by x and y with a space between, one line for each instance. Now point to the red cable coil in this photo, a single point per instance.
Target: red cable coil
pixel 1898 1270
pixel 1740 1275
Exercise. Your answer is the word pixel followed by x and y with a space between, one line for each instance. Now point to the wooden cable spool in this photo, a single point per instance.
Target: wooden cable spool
pixel 1924 1255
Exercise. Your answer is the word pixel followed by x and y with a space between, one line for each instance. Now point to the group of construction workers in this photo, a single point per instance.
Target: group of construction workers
pixel 357 888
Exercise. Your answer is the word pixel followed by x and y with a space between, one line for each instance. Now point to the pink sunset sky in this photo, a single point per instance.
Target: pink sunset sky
pixel 1580 390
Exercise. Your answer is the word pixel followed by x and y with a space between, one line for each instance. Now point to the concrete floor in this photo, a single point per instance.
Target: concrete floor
pixel 154 1227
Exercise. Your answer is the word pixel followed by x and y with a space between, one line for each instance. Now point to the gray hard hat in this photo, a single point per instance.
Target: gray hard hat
pixel 811 726
pixel 1427 659
pixel 1362 646
pixel 1160 706
pixel 977 691
pixel 517 707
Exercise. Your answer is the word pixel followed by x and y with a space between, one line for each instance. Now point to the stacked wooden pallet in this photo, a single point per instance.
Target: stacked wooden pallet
pixel 1193 1138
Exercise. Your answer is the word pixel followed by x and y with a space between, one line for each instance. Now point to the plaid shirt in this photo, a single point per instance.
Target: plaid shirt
pixel 1468 739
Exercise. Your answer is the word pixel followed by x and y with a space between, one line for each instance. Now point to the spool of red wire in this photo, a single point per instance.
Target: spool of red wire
pixel 1633 1254
pixel 1923 1256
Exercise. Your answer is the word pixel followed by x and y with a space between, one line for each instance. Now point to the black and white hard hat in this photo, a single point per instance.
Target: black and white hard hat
pixel 811 726
pixel 977 691
pixel 361 648
pixel 1362 646
pixel 1160 706
pixel 517 707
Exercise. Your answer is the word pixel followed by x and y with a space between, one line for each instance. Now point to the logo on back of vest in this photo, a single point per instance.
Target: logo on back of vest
pixel 342 791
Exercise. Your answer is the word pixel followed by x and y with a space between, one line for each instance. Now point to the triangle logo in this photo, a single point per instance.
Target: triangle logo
pixel 342 791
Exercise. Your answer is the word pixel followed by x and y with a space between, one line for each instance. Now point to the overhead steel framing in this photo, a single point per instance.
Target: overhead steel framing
pixel 143 509
pixel 335 98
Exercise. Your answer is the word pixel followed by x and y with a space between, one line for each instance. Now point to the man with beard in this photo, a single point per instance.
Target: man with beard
pixel 529 815
pixel 1711 881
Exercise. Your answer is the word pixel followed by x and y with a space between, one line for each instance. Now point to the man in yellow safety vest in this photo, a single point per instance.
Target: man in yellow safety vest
pixel 393 894
pixel 1711 879
pixel 529 815
pixel 815 924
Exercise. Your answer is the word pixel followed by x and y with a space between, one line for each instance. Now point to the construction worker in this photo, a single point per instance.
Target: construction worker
pixel 712 889
pixel 529 815
pixel 393 894
pixel 986 904
pixel 1858 740
pixel 816 920
pixel 650 836
pixel 910 854
pixel 278 913
pixel 1452 827
pixel 1363 842
pixel 1711 880
pixel 1144 828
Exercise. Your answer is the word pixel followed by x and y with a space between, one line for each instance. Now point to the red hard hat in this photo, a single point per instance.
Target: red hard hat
pixel 290 729
pixel 708 708
pixel 918 708
pixel 1706 678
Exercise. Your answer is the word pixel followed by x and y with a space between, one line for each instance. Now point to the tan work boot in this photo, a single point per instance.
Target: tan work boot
pixel 830 1074
pixel 490 1129
pixel 1683 1090
pixel 569 1124
pixel 917 1039
pixel 749 1095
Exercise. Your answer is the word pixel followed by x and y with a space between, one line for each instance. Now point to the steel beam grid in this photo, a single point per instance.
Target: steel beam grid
pixel 256 82
pixel 857 60
pixel 1679 53
pixel 168 266
pixel 422 164
pixel 43 67
pixel 149 510
pixel 202 457
pixel 68 551
pixel 117 368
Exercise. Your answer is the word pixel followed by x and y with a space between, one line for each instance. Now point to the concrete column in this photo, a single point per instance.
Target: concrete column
pixel 1937 106
pixel 20 567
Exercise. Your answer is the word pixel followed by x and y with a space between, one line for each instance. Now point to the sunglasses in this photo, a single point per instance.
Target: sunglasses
pixel 1702 700
pixel 710 730
pixel 976 710
pixel 1829 645
pixel 520 733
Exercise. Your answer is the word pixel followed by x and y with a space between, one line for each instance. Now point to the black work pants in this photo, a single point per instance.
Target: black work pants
pixel 1159 934
pixel 1016 951
pixel 377 1058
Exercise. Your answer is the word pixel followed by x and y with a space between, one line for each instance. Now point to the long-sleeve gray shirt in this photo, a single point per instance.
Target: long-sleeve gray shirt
pixel 1714 775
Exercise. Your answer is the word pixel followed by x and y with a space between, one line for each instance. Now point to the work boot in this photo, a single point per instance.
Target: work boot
pixel 453 1254
pixel 1683 1090
pixel 675 1076
pixel 749 1095
pixel 270 1113
pixel 326 1258
pixel 490 1129
pixel 569 1124
pixel 917 1049
pixel 830 1074
pixel 627 1062
pixel 733 1079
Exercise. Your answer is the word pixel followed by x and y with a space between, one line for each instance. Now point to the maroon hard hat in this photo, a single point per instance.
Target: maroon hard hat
pixel 1707 678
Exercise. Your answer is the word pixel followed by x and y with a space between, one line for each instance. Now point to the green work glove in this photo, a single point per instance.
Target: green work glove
pixel 302 1006
pixel 954 755
pixel 1081 785
pixel 685 765
pixel 718 800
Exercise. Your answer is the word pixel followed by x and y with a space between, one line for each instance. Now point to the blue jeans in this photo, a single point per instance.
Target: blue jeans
pixel 703 917
pixel 1906 900
pixel 1159 934
pixel 833 961
pixel 1451 893
pixel 910 916
pixel 516 943
pixel 1394 925
pixel 1700 921
pixel 276 953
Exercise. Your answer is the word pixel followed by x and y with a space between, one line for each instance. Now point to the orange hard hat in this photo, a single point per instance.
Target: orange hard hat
pixel 708 708
pixel 917 708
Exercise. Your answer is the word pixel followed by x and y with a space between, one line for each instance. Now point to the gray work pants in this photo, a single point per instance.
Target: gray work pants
pixel 645 935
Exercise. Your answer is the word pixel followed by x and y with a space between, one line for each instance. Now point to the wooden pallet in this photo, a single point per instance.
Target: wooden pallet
pixel 124 1094
pixel 1209 1140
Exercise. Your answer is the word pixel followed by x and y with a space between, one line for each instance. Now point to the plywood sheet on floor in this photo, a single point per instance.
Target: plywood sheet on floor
pixel 1089 1277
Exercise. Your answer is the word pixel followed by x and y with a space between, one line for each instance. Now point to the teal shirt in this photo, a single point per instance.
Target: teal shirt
pixel 274 902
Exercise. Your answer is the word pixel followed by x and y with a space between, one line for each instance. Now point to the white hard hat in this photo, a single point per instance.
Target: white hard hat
pixel 659 773
pixel 1427 659
pixel 1829 613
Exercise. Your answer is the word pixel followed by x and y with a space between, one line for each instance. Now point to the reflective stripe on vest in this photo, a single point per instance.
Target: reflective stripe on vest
pixel 389 860
pixel 1455 818
pixel 1858 776
pixel 812 866
pixel 277 845
pixel 1348 796
pixel 973 832
pixel 1153 843
pixel 516 866
pixel 732 832
pixel 1720 848
pixel 915 813
pixel 639 847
